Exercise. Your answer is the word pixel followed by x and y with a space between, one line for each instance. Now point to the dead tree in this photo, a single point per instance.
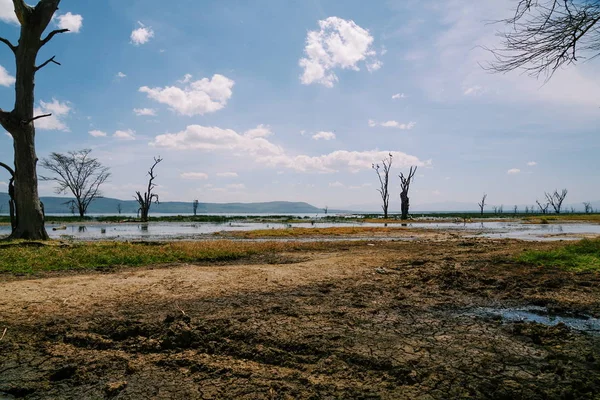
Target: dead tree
pixel 587 206
pixel 11 197
pixel 195 207
pixel 119 209
pixel 482 203
pixel 515 210
pixel 326 209
pixel 384 179
pixel 556 199
pixel 544 35
pixel 543 207
pixel 146 200
pixel 405 182
pixel 77 173
pixel 20 121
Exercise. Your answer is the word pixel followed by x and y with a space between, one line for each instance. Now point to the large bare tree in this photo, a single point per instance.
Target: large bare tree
pixel 77 173
pixel 405 182
pixel 544 35
pixel 145 200
pixel 383 173
pixel 555 199
pixel 482 203
pixel 20 121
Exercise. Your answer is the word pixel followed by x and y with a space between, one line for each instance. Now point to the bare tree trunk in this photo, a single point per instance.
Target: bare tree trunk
pixel 405 187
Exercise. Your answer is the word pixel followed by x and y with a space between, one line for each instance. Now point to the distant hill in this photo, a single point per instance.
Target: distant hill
pixel 56 205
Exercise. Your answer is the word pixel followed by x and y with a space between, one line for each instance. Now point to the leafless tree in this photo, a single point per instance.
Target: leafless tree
pixel 119 209
pixel 495 209
pixel 195 207
pixel 515 210
pixel 326 209
pixel 587 206
pixel 20 121
pixel 384 179
pixel 556 199
pixel 544 35
pixel 543 207
pixel 405 182
pixel 145 200
pixel 482 203
pixel 77 173
pixel 526 209
pixel 501 209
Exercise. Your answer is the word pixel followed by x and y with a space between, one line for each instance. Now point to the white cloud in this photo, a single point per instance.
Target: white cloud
pixel 124 135
pixel 398 96
pixel 97 133
pixel 72 22
pixel 141 35
pixel 194 175
pixel 474 91
pixel 393 124
pixel 195 98
pixel 338 44
pixel 260 131
pixel 144 112
pixel 6 79
pixel 55 121
pixel 7 12
pixel 236 186
pixel 323 135
pixel 532 163
pixel 262 151
pixel 302 132
pixel 336 184
pixel 513 171
pixel 121 75
pixel 364 185
pixel 227 174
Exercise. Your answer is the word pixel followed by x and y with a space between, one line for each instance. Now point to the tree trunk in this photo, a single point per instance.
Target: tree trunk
pixel 145 211
pixel 404 205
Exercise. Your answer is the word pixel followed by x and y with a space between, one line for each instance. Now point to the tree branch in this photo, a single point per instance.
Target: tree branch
pixel 51 60
pixel 9 169
pixel 9 44
pixel 22 11
pixel 34 118
pixel 51 35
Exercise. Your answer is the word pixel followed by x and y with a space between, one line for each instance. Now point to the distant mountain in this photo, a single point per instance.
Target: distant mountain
pixel 56 205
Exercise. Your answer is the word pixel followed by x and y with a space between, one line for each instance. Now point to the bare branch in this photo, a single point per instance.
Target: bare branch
pixel 34 118
pixel 51 60
pixel 9 44
pixel 51 35
pixel 9 169
pixel 384 182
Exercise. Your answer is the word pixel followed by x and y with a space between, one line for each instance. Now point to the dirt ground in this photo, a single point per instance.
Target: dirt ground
pixel 381 320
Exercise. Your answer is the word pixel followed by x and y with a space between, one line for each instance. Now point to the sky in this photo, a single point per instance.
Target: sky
pixel 270 100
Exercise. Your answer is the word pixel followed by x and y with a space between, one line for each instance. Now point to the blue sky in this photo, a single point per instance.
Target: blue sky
pixel 271 100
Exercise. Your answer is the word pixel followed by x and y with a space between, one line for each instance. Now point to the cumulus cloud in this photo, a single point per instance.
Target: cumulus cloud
pixel 227 174
pixel 338 44
pixel 398 96
pixel 6 79
pixel 72 22
pixel 124 135
pixel 121 75
pixel 513 171
pixel 195 97
pixel 198 137
pixel 393 124
pixel 194 175
pixel 55 121
pixel 142 34
pixel 323 136
pixel 532 163
pixel 7 12
pixel 260 131
pixel 144 112
pixel 97 133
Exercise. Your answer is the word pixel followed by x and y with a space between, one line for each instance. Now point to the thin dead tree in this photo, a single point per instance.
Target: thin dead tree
pixel 146 200
pixel 19 122
pixel 195 207
pixel 587 207
pixel 11 197
pixel 482 203
pixel 78 173
pixel 384 179
pixel 405 182
pixel 119 208
pixel 544 35
pixel 543 207
pixel 556 199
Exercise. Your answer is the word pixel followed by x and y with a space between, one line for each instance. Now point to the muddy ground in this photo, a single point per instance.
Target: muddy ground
pixel 382 320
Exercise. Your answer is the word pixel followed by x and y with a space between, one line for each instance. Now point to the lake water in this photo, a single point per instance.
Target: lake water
pixel 191 230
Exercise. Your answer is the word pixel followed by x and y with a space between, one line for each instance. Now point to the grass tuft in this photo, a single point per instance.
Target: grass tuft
pixel 580 256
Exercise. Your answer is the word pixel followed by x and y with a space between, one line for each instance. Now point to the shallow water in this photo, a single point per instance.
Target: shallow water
pixel 541 315
pixel 181 230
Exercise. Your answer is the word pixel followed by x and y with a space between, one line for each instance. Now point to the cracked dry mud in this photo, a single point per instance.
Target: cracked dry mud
pixel 378 321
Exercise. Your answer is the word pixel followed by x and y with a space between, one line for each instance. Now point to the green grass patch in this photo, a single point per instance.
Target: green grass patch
pixel 33 257
pixel 580 256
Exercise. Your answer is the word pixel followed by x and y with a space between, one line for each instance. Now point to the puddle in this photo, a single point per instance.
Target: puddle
pixel 540 315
